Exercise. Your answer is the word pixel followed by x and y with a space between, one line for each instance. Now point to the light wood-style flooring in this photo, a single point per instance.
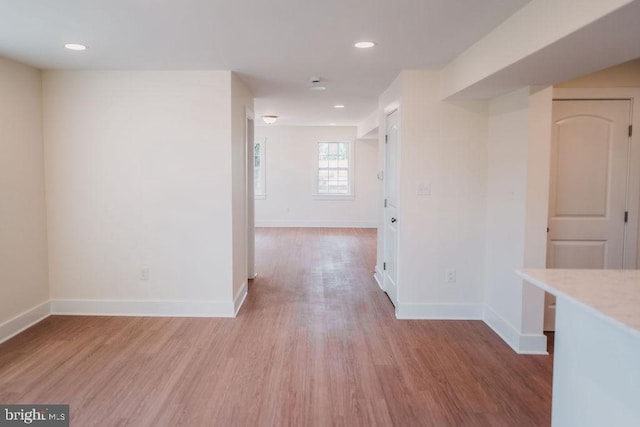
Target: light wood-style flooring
pixel 315 344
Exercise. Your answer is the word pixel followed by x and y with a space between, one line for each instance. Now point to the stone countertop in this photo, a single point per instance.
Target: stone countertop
pixel 611 294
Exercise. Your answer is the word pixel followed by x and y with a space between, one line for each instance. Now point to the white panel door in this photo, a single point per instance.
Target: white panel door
pixel 588 191
pixel 391 208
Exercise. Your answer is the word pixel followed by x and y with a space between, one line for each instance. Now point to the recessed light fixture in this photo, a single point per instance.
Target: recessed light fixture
pixel 316 84
pixel 270 119
pixel 338 106
pixel 364 45
pixel 75 46
pixel 332 124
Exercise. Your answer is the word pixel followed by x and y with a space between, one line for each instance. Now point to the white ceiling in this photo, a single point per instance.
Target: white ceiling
pixel 276 46
pixel 610 40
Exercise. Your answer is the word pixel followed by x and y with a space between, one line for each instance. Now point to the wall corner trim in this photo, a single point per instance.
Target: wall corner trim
pixel 241 296
pixel 520 343
pixel 378 277
pixel 24 321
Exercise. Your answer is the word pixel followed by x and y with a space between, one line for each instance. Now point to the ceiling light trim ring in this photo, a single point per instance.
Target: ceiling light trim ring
pixel 75 46
pixel 364 44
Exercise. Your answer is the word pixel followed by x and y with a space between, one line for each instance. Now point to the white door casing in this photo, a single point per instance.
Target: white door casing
pixel 249 191
pixel 588 187
pixel 390 268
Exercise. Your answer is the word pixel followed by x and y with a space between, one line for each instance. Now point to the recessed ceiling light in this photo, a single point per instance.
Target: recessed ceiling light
pixel 75 46
pixel 332 124
pixel 338 106
pixel 316 84
pixel 364 45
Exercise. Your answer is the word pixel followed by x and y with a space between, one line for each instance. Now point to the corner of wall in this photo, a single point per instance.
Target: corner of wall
pixel 377 275
pixel 520 343
pixel 24 264
pixel 24 321
pixel 240 297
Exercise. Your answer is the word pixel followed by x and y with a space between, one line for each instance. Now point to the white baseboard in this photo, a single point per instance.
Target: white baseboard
pixel 23 321
pixel 318 224
pixel 520 343
pixel 377 275
pixel 240 297
pixel 168 308
pixel 439 311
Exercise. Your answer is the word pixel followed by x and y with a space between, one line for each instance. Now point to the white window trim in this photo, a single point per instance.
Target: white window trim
pixel 263 168
pixel 352 174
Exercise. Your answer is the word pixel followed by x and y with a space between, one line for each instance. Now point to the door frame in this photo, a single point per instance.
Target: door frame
pixel 631 252
pixel 390 109
pixel 250 220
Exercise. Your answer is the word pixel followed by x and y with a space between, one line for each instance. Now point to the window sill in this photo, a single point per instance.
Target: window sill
pixel 262 197
pixel 346 197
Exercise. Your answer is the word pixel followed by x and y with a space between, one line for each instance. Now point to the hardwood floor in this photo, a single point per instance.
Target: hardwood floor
pixel 315 344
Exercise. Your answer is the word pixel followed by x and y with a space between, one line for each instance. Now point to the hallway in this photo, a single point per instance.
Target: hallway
pixel 316 343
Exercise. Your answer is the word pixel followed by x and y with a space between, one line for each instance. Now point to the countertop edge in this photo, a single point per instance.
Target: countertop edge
pixel 554 291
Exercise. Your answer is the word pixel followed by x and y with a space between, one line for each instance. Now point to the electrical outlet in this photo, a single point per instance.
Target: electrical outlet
pixel 144 274
pixel 451 276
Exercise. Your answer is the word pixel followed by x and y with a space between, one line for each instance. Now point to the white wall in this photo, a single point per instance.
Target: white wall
pixel 537 215
pixel 138 175
pixel 290 176
pixel 442 144
pixel 517 199
pixel 24 288
pixel 622 75
pixel 488 168
pixel 506 202
pixel 368 127
pixel 241 100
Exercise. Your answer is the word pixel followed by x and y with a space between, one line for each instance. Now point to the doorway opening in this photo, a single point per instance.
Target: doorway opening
pixel 291 171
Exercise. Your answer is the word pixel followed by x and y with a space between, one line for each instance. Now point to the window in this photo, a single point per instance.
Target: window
pixel 259 181
pixel 334 175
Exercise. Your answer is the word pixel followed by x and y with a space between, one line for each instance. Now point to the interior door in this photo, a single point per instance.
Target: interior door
pixel 588 192
pixel 390 267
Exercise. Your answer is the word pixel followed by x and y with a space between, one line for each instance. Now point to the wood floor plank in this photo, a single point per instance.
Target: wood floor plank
pixel 315 344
